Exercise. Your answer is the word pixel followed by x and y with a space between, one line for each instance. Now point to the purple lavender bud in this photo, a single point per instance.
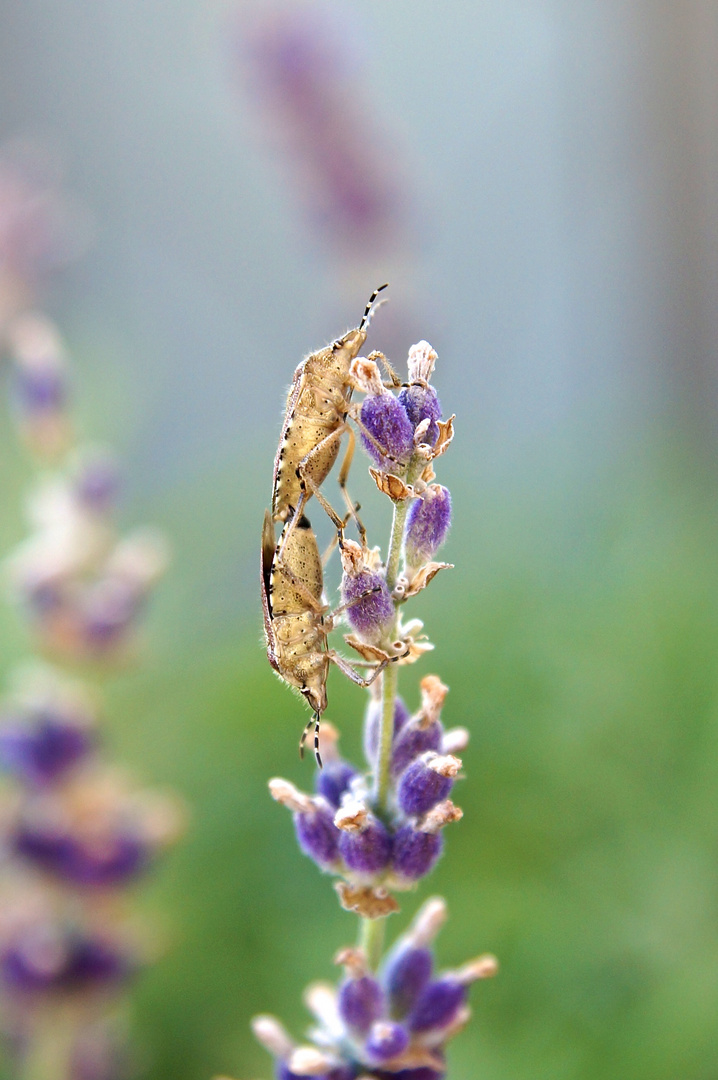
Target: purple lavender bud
pixel 361 1001
pixel 385 1040
pixel 427 525
pixel 318 836
pixel 366 851
pixel 35 965
pixel 438 1004
pixel 422 1073
pixel 407 973
pixel 415 740
pixel 94 962
pixel 333 780
pixel 372 722
pixel 42 753
pixel 415 852
pixel 420 403
pixel 39 390
pixel 372 615
pixel 383 416
pixel 43 597
pixel 115 861
pixel 97 483
pixel 110 608
pixel 421 787
pixel 283 1072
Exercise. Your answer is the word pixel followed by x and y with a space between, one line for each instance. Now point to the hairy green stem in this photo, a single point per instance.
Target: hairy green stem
pixel 372 930
pixel 49 1052
pixel 371 940
pixel 390 676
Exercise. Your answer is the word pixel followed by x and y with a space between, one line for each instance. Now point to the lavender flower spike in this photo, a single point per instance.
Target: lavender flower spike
pixel 381 831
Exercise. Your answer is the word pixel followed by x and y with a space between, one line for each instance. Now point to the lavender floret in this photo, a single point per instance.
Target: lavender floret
pixel 406 974
pixel 333 780
pixel 384 417
pixel 422 787
pixel 42 753
pixel 372 722
pixel 39 390
pixel 97 483
pixel 361 1001
pixel 386 1040
pixel 115 861
pixel 415 739
pixel 75 964
pixel 438 1004
pixel 420 403
pixel 415 852
pixel 373 614
pixel 427 525
pixel 422 1073
pixel 366 851
pixel 318 837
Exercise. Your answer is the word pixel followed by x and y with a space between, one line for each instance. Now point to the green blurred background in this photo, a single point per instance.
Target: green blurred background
pixel 557 168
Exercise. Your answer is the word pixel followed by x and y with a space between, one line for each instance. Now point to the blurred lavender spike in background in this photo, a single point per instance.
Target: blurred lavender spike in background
pixel 301 67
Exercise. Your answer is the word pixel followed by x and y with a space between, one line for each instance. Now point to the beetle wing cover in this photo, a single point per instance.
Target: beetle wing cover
pixel 267 557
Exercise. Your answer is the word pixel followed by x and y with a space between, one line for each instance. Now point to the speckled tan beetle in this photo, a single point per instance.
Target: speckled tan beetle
pixel 297 622
pixel 318 404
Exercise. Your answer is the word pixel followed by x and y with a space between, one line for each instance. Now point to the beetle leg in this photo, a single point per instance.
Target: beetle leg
pixel 346 668
pixel 343 473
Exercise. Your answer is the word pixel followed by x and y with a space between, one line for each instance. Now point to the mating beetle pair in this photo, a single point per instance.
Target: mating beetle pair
pixel 296 621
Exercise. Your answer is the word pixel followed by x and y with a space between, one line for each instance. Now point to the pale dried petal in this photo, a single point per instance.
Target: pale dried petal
pixel 391 485
pixel 424 575
pixel 370 903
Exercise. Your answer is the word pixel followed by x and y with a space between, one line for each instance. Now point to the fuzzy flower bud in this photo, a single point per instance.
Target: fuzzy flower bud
pixel 48 959
pixel 372 722
pixel 43 751
pixel 369 607
pixel 333 780
pixel 415 852
pixel 364 843
pixel 360 1000
pixel 416 738
pixel 96 482
pixel 40 387
pixel 316 833
pixel 426 782
pixel 438 1004
pixel 419 399
pixel 387 432
pixel 406 973
pixel 385 1040
pixel 427 525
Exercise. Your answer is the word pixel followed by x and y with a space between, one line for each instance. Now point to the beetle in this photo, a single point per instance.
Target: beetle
pixel 296 620
pixel 318 404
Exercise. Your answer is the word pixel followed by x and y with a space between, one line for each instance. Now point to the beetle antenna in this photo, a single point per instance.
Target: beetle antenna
pixel 304 736
pixel 368 312
pixel 317 755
